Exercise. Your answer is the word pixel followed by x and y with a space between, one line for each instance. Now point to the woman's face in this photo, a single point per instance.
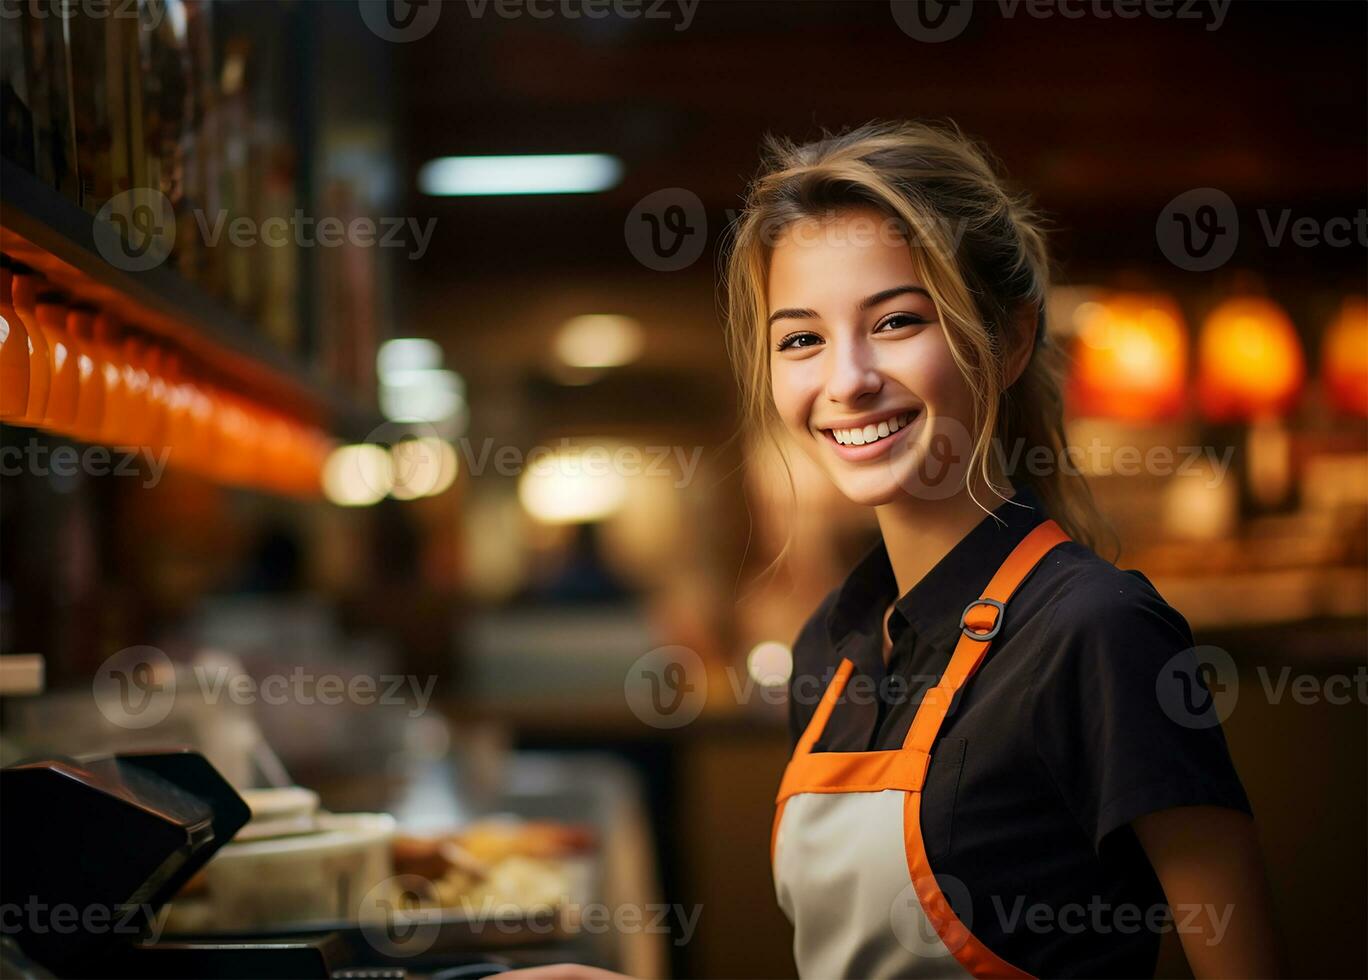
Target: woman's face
pixel 860 368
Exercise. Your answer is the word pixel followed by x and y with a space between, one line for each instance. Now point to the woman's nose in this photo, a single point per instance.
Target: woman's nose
pixel 854 373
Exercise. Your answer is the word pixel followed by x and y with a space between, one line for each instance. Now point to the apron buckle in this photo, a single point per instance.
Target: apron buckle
pixel 975 634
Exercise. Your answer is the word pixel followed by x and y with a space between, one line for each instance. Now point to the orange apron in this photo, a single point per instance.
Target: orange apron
pixel 840 815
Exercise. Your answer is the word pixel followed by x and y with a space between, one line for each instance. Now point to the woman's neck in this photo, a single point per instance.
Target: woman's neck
pixel 919 533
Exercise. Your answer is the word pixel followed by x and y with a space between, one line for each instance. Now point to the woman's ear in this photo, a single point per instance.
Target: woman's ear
pixel 1025 323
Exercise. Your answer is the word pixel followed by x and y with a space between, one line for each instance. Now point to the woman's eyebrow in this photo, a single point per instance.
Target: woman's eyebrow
pixel 793 313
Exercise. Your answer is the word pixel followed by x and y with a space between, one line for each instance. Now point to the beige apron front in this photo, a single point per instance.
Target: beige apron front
pixel 850 866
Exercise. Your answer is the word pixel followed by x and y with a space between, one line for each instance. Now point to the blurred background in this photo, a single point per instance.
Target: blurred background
pixel 381 343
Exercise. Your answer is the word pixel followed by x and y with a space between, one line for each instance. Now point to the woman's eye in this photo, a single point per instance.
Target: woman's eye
pixel 896 320
pixel 798 340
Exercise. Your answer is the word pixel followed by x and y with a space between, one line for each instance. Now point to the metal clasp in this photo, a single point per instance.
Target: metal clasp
pixel 974 634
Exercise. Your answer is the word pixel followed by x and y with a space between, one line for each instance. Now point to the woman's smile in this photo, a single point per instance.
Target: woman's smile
pixel 869 437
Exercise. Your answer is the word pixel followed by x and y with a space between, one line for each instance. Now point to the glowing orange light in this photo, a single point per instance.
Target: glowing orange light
pixel 1250 361
pixel 1344 358
pixel 1131 361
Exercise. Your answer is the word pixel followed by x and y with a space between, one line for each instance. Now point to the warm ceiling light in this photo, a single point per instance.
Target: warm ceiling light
pixel 1131 359
pixel 551 173
pixel 1344 358
pixel 1250 362
pixel 599 341
pixel 571 487
pixel 358 475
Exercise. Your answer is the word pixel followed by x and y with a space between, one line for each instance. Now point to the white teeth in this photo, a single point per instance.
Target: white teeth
pixel 870 433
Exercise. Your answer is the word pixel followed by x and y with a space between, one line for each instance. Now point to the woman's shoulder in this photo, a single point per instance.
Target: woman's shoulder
pixel 1096 609
pixel 1122 717
pixel 1083 574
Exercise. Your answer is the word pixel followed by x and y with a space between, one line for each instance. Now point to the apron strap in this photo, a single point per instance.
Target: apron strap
pixel 830 696
pixel 981 621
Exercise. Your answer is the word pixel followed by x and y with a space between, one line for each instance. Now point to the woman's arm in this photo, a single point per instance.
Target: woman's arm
pixel 1208 860
pixel 564 971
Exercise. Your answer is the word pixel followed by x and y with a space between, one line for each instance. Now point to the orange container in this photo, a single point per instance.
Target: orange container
pixel 158 398
pixel 230 437
pixel 24 287
pixel 306 459
pixel 136 383
pixel 278 455
pixel 64 396
pixel 91 364
pixel 114 425
pixel 201 429
pixel 180 436
pixel 14 355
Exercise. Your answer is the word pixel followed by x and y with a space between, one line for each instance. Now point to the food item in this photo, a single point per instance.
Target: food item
pixel 493 840
pixel 494 866
pixel 515 886
pixel 477 848
pixel 421 856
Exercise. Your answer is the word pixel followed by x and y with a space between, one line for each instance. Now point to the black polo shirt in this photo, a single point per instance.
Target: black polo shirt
pixel 1060 740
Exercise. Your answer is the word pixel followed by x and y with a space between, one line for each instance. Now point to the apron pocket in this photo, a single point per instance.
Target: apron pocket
pixel 938 798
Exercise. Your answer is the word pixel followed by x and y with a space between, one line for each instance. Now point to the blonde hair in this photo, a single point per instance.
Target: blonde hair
pixel 982 255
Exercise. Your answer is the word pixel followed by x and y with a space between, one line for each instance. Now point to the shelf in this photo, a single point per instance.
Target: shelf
pixel 42 229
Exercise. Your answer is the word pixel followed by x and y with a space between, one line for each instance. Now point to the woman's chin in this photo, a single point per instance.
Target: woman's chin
pixel 870 492
pixel 898 480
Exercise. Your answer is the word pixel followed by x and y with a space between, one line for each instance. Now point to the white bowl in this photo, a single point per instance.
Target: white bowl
pixel 316 877
pixel 278 812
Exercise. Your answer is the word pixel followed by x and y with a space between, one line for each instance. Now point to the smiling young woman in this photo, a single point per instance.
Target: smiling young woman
pixel 997 768
pixel 1018 796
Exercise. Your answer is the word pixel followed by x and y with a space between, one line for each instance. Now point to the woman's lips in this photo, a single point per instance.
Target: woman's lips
pixel 870 450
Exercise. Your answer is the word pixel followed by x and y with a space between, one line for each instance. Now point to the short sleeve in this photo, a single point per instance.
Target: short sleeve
pixel 1105 727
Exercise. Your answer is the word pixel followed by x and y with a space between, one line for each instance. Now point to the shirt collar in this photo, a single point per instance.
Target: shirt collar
pixel 932 607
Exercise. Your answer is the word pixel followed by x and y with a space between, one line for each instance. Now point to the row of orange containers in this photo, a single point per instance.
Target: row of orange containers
pixel 78 372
